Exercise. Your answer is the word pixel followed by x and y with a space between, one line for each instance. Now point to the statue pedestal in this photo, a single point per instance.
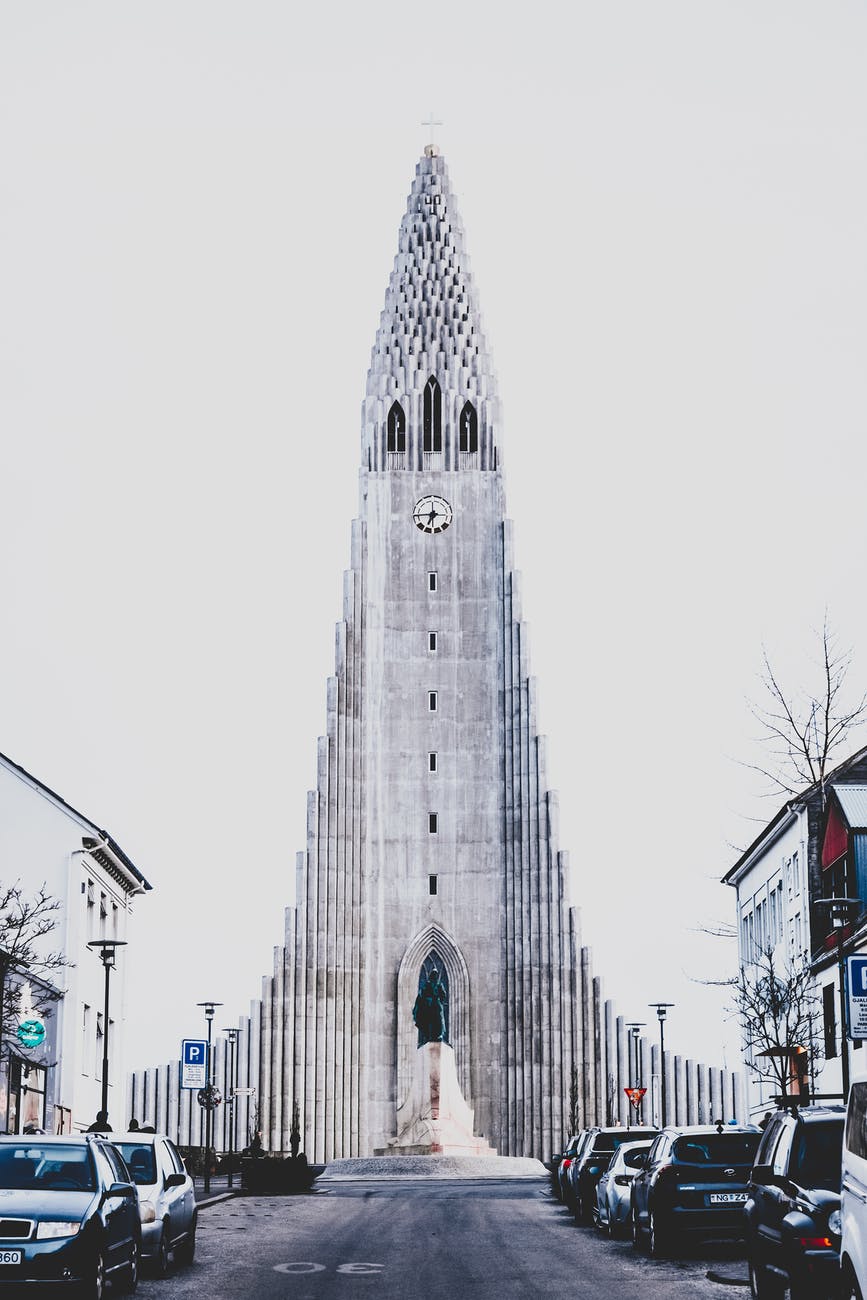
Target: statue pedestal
pixel 435 1119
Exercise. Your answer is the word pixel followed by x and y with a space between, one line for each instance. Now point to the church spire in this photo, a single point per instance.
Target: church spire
pixel 430 330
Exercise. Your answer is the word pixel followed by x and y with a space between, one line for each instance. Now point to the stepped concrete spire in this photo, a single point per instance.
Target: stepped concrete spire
pixel 432 990
pixel 431 326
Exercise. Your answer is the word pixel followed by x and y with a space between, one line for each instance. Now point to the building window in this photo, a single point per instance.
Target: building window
pixel 431 640
pixel 432 701
pixel 431 582
pixel 97 1063
pixel 432 884
pixel 830 1019
pixel 85 1037
pixel 396 428
pixel 469 430
pixel 432 762
pixel 433 416
pixel 796 873
pixel 432 823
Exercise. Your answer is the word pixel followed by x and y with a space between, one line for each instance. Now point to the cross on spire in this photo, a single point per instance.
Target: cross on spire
pixel 432 122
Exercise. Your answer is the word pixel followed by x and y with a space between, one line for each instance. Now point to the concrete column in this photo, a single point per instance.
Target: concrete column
pixel 680 1111
pixel 611 1106
pixel 670 1088
pixel 265 1064
pixel 652 1111
pixel 183 1131
pixel 623 1108
pixel 703 1097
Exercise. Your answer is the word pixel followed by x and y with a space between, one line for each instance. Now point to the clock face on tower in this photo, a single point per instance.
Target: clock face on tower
pixel 432 514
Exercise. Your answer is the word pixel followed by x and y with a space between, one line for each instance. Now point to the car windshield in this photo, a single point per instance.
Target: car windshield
pixel 716 1149
pixel 817 1155
pixel 611 1141
pixel 140 1162
pixel 50 1167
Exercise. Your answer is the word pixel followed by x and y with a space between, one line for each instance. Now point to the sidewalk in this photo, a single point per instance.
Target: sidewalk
pixel 219 1187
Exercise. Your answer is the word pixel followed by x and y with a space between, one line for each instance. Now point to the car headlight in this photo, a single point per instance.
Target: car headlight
pixel 57 1228
pixel 147 1211
pixel 835 1223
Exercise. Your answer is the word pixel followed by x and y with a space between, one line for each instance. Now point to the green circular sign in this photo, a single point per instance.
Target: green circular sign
pixel 31 1032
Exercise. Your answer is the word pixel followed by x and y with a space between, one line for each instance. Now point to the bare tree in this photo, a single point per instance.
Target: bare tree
pixel 24 923
pixel 777 1007
pixel 803 730
pixel 574 1102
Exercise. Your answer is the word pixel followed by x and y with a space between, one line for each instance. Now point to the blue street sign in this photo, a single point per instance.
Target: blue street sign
pixel 194 1058
pixel 857 973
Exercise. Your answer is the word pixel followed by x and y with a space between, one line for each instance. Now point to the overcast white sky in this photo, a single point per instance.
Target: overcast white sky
pixel 665 205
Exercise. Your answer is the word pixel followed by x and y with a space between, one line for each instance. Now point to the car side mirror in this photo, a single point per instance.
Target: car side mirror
pixel 555 1159
pixel 118 1189
pixel 175 1180
pixel 764 1176
pixel 639 1160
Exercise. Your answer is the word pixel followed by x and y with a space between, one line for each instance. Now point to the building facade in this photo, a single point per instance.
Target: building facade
pixel 789 868
pixel 57 1085
pixel 432 833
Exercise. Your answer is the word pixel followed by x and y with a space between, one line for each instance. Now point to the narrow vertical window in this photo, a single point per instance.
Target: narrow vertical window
pixel 431 582
pixel 396 428
pixel 469 428
pixel 432 884
pixel 432 823
pixel 431 640
pixel 432 762
pixel 432 701
pixel 433 416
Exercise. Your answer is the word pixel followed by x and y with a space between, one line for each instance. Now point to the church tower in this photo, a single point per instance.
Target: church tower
pixel 432 834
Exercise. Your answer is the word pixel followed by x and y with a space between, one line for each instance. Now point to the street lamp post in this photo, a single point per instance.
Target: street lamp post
pixel 230 1097
pixel 840 909
pixel 635 1027
pixel 661 1012
pixel 210 1008
pixel 107 950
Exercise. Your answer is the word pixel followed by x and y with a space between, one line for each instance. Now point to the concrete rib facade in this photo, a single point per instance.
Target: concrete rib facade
pixel 432 832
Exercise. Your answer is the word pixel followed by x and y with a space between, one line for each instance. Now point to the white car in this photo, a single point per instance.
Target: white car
pixel 612 1191
pixel 853 1208
pixel 167 1200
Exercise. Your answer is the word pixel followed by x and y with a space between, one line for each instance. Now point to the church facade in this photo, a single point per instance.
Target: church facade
pixel 432 837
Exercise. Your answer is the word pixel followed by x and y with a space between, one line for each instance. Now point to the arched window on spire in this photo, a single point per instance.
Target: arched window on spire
pixel 433 416
pixel 469 428
pixel 396 428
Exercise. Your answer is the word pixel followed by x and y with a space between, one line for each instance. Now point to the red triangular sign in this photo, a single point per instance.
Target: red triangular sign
pixel 635 1095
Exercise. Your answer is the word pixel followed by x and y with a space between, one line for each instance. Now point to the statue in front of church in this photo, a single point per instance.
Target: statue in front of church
pixel 429 1010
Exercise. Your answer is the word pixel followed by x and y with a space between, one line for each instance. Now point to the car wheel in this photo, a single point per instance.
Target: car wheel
pixel 93 1286
pixel 635 1228
pixel 850 1290
pixel 764 1285
pixel 659 1241
pixel 128 1282
pixel 186 1251
pixel 161 1259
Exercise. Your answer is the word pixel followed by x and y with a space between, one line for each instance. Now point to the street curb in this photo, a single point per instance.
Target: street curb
pixel 215 1200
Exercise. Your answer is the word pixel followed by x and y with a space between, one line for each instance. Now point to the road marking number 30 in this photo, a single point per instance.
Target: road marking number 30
pixel 306 1266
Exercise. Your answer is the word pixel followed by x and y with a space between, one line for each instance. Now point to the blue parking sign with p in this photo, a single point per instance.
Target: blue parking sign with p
pixel 857 973
pixel 194 1059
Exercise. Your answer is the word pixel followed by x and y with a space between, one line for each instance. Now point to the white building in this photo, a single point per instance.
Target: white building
pixel 44 841
pixel 777 881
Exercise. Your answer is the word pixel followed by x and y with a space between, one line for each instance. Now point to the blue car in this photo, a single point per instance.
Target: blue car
pixel 69 1213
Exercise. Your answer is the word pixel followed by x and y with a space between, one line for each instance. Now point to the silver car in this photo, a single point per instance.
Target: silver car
pixel 167 1201
pixel 612 1190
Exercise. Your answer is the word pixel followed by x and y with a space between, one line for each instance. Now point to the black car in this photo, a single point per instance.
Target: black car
pixel 69 1214
pixel 694 1182
pixel 560 1165
pixel 793 1211
pixel 590 1163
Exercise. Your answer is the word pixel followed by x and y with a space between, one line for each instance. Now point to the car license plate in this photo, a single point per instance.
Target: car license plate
pixel 727 1198
pixel 11 1256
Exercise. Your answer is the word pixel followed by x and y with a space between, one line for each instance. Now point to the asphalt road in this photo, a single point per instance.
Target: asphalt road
pixel 432 1240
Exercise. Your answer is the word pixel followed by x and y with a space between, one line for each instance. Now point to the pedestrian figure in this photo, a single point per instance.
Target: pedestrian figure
pixel 133 1125
pixel 100 1124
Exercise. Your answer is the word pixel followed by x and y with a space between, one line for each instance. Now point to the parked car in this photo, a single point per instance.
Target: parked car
pixel 853 1248
pixel 571 1149
pixel 793 1209
pixel 590 1163
pixel 612 1190
pixel 166 1197
pixel 694 1182
pixel 70 1215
